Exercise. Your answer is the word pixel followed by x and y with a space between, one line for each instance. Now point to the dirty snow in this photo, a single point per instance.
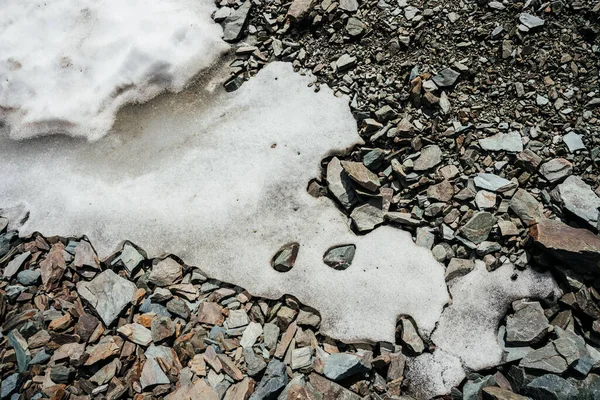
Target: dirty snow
pixel 220 180
pixel 67 66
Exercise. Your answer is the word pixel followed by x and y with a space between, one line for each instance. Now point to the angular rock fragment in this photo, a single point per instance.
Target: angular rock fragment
pixel 361 175
pixel 340 366
pixel 339 184
pixel 493 183
pixel 340 257
pixel 299 9
pixel 556 170
pixel 579 199
pixel 503 142
pixel 446 77
pixel 527 325
pixel 234 24
pixel 331 390
pixel 526 207
pixel 108 294
pixel 429 158
pixel 272 382
pixel 530 21
pixel 478 227
pixel 166 272
pixel 285 258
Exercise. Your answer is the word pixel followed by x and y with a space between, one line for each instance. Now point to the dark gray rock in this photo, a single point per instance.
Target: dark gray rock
pixel 339 184
pixel 272 383
pixel 546 359
pixel 429 158
pixel 340 257
pixel 255 365
pixel 446 77
pixel 527 325
pixel 478 227
pixel 551 387
pixel 29 277
pixel 9 385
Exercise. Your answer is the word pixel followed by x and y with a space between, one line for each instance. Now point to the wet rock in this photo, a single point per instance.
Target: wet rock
pixel 556 170
pixel 272 383
pixel 503 142
pixel 578 248
pixel 429 158
pixel 339 366
pixel 235 22
pixel 478 227
pixel 579 199
pixel 108 294
pixel 340 257
pixel 166 272
pixel 528 324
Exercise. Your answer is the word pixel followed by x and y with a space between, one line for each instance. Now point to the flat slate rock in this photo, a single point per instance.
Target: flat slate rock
pixel 108 294
pixel 503 142
pixel 340 366
pixel 579 199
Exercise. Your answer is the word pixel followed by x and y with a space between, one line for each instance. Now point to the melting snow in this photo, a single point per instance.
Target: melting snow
pixel 68 65
pixel 220 180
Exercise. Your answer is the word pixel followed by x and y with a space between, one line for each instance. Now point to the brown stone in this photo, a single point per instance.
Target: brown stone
pixel 230 368
pixel 579 248
pixel 210 313
pixel 53 267
pixel 331 390
pixel 300 9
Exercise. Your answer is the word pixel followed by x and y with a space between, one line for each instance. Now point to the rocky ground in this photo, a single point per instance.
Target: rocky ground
pixel 481 125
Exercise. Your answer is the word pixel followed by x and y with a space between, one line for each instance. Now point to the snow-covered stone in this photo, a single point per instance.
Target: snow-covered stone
pixel 96 56
pixel 173 177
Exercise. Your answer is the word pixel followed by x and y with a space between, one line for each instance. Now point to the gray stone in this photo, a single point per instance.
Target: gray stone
pixel 527 208
pixel 348 5
pixel 573 142
pixel 472 388
pixel 410 337
pixel 442 191
pixel 221 14
pixel 301 358
pixel 410 12
pixel 446 77
pixel 19 344
pixel 180 308
pixel 430 157
pixel 15 264
pixel 270 336
pixel 152 374
pixel 373 158
pixel 251 334
pixel 300 9
pixel 40 358
pixel 272 383
pixel 9 385
pixel 588 388
pixel 346 61
pixel 166 272
pixel 366 217
pixel 551 387
pixel 340 257
pixel 339 366
pixel 556 170
pixel 137 333
pixel 235 22
pixel 285 258
pixel 129 258
pixel 29 277
pixel 108 294
pixel 237 319
pixel 458 267
pixel 546 358
pixel 339 184
pixel 503 142
pixel 445 105
pixel 579 199
pixel 493 183
pixel 161 328
pixel 530 21
pixel 85 256
pixel 254 364
pixel 478 227
pixel 308 318
pixel 425 238
pixel 527 325
pixel 355 27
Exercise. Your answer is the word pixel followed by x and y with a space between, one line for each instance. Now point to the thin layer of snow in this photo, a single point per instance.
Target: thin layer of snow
pixel 220 180
pixel 430 375
pixel 468 327
pixel 67 66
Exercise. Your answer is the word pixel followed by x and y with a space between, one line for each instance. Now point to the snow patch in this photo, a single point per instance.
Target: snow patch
pixel 431 375
pixel 220 180
pixel 468 327
pixel 67 66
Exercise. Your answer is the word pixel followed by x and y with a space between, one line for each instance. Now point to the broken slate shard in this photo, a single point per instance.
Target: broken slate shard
pixel 285 258
pixel 340 257
pixel 108 294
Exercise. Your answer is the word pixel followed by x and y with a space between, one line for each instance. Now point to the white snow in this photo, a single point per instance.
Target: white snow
pixel 220 180
pixel 430 375
pixel 468 327
pixel 67 66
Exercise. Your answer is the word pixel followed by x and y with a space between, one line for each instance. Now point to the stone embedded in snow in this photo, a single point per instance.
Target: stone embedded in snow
pixel 123 61
pixel 468 327
pixel 285 258
pixel 430 375
pixel 108 294
pixel 458 267
pixel 493 183
pixel 235 22
pixel 181 194
pixel 367 217
pixel 340 257
pixel 503 142
pixel 530 21
pixel 410 337
pixel 573 142
pixel 579 199
pixel 556 169
pixel 429 158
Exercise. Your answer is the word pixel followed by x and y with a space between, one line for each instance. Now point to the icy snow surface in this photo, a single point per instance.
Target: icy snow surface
pixel 67 66
pixel 220 180
pixel 468 328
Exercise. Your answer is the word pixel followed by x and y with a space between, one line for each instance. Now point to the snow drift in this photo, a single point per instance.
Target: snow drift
pixel 67 66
